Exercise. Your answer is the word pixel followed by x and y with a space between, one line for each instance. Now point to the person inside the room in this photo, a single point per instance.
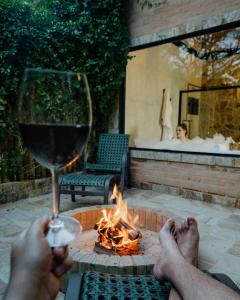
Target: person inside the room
pixel 182 132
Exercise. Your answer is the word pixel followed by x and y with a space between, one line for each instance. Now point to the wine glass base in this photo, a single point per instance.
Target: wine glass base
pixel 63 231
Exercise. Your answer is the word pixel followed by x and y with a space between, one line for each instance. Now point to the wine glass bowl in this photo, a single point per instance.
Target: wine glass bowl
pixel 55 118
pixel 63 231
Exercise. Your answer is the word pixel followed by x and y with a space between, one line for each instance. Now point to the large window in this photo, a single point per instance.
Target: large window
pixel 195 81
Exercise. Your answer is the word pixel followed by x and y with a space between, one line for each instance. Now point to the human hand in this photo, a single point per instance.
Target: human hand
pixel 36 268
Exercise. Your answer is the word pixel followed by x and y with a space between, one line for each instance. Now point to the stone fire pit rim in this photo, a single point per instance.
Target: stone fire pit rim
pixel 72 212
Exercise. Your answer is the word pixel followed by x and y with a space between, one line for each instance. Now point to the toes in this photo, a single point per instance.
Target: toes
pixel 169 225
pixel 182 228
pixel 191 222
pixel 173 228
pixel 186 224
pixel 193 227
pixel 172 225
pixel 175 235
pixel 176 231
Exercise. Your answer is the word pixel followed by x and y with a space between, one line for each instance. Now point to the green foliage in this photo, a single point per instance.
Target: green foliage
pixel 88 36
pixel 2 108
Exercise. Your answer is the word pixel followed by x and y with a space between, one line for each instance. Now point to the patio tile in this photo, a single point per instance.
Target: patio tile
pixel 9 229
pixel 3 286
pixel 214 247
pixel 17 216
pixel 5 271
pixel 225 233
pixel 232 222
pixel 235 249
pixel 228 264
pixel 205 262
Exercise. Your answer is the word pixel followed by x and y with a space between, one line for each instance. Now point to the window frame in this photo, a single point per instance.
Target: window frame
pixel 122 92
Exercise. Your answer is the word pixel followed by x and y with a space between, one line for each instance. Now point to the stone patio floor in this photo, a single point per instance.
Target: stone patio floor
pixel 219 226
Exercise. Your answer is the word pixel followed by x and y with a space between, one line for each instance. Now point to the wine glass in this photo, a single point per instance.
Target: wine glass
pixel 55 118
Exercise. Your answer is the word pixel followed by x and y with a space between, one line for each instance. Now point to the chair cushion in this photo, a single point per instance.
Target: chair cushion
pixel 83 179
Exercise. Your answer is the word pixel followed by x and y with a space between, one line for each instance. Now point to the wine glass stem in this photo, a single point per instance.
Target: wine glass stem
pixel 55 194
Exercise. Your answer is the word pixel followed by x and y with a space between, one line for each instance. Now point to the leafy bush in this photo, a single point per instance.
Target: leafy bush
pixel 88 36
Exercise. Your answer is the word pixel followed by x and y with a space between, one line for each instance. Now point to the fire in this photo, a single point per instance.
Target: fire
pixel 117 230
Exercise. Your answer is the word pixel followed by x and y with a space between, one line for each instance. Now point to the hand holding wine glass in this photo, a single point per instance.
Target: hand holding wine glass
pixel 35 266
pixel 55 115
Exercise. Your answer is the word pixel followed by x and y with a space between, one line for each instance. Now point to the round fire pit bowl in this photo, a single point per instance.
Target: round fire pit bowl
pixel 82 251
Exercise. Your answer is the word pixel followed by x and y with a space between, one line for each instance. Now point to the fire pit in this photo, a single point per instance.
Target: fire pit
pixel 142 242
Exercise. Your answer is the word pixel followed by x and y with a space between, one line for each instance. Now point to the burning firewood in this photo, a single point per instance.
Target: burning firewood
pixel 133 233
pixel 116 233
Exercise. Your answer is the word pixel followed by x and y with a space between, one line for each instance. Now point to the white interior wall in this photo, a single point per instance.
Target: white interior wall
pixel 148 73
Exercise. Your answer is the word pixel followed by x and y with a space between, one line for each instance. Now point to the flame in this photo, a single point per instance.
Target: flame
pixel 117 229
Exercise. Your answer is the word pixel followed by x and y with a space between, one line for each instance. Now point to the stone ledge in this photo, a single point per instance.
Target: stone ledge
pixel 13 191
pixel 199 159
pixel 223 200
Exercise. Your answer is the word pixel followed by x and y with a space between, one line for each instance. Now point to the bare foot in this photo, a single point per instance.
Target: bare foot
pixel 187 237
pixel 169 252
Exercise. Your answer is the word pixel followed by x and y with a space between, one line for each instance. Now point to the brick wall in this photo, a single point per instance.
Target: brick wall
pixel 213 179
pixel 168 18
pixel 13 191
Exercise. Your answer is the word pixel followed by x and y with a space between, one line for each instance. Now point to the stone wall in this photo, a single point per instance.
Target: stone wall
pixel 169 18
pixel 213 179
pixel 13 191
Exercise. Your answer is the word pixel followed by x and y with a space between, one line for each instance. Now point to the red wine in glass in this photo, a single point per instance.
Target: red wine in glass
pixel 55 117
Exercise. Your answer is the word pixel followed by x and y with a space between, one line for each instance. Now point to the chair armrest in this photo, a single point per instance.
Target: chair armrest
pixel 86 157
pixel 125 160
pixel 73 288
pixel 124 171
